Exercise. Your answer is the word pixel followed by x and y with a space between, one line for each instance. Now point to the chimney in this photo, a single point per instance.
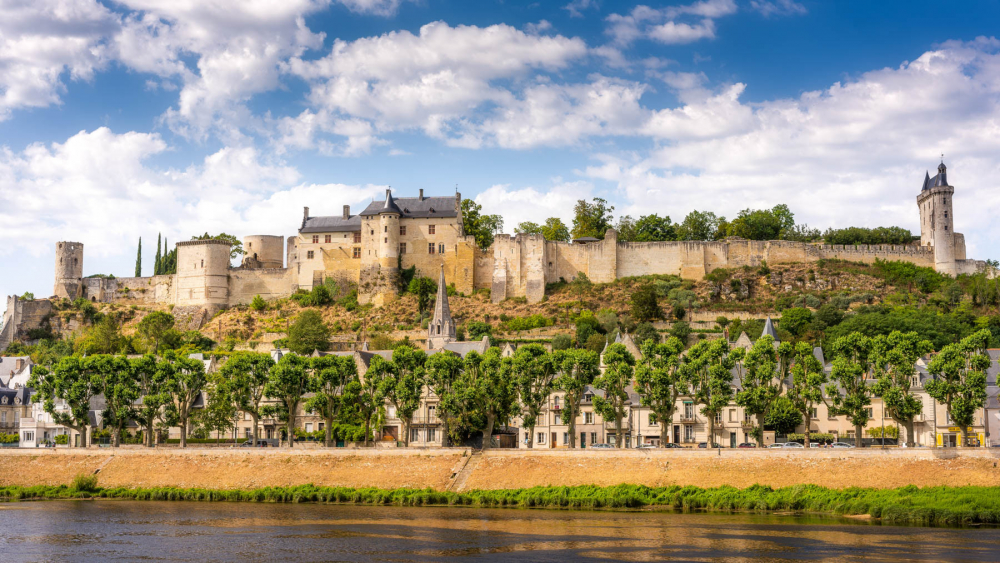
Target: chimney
pixel 19 364
pixel 347 212
pixel 305 214
pixel 421 198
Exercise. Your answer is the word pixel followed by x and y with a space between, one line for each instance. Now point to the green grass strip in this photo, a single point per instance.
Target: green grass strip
pixel 931 506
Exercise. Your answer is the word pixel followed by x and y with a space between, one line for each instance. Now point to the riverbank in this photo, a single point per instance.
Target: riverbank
pixel 933 506
pixel 451 469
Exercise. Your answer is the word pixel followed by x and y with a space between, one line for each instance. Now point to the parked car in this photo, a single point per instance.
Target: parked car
pixel 602 447
pixel 260 444
pixel 841 445
pixel 671 445
pixel 705 445
pixel 646 447
pixel 775 446
pixel 793 445
pixel 747 445
pixel 813 444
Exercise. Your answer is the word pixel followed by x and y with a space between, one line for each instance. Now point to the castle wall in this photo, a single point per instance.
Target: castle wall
pixel 269 283
pixel 267 249
pixel 564 260
pixel 22 316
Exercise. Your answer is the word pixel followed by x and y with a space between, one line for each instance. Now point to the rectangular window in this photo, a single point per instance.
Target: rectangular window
pixel 357 238
pixel 555 401
pixel 746 417
pixel 322 426
pixel 718 418
pixel 309 254
pixel 385 229
pixel 402 230
pixel 588 418
pixel 812 413
pixel 414 434
pixel 357 252
pixel 441 248
pixel 565 438
pixel 593 437
pixel 431 434
pixel 689 433
pixel 328 238
pixel 541 438
pixel 652 419
pixel 688 410
pixel 402 248
pixel 309 427
pixel 732 415
pixel 248 433
pixel 430 412
pixel 430 248
pixel 3 417
pixel 315 238
pixel 430 229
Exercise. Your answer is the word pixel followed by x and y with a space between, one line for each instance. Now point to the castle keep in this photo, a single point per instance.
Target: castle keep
pixel 369 249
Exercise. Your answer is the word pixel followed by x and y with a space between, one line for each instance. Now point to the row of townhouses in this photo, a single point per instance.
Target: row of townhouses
pixel 733 426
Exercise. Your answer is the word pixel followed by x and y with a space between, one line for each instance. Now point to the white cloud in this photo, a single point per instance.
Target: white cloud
pixel 377 7
pixel 662 25
pixel 536 28
pixel 42 40
pixel 853 154
pixel 769 8
pixel 533 204
pixel 576 7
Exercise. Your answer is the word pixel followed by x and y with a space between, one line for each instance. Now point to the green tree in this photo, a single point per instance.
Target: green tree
pixel 648 228
pixel 443 370
pixel 258 303
pixel 243 379
pixel 555 230
pixel 759 382
pixel 806 389
pixel 138 260
pixel 894 358
pixel 184 379
pixel 959 382
pixel 644 332
pixel 120 389
pixel 762 224
pixel 482 227
pixel 783 417
pixel 403 384
pixel 592 219
pixel 577 370
pixel 700 225
pixel 331 375
pixel 74 382
pixel 681 331
pixel 528 228
pixel 236 248
pixel 488 389
pixel 154 328
pixel 152 390
pixel 795 320
pixel 289 381
pixel 105 337
pixel 659 380
pixel 220 414
pixel 368 399
pixel 614 405
pixel 645 306
pixel 159 257
pixel 308 333
pixel 423 288
pixel 535 374
pixel 707 370
pixel 851 368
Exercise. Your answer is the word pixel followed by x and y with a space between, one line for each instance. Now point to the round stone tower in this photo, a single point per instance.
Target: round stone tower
pixel 69 270
pixel 267 250
pixel 388 250
pixel 203 272
pixel 937 220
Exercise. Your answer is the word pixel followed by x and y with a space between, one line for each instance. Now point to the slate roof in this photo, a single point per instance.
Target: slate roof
pixel 332 224
pixel 20 396
pixel 769 330
pixel 415 207
pixel 941 179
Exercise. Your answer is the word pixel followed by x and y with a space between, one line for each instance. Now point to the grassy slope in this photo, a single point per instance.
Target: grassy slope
pixel 907 505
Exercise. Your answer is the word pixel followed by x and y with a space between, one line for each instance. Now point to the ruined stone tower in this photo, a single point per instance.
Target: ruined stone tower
pixel 69 270
pixel 203 273
pixel 441 329
pixel 937 222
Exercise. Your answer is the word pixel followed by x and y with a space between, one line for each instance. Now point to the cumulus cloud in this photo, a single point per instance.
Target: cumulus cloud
pixel 534 204
pixel 43 40
pixel 76 189
pixel 854 153
pixel 664 26
pixel 576 7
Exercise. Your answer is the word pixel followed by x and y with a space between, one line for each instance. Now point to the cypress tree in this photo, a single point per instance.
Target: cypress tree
pixel 157 266
pixel 138 260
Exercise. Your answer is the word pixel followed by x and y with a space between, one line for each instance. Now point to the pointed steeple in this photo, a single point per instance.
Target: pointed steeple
pixel 927 181
pixel 390 204
pixel 441 330
pixel 769 330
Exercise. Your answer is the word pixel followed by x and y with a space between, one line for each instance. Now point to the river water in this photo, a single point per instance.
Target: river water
pixel 191 531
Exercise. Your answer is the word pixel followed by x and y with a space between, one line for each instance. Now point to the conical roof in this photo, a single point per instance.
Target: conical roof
pixel 442 311
pixel 769 330
pixel 390 204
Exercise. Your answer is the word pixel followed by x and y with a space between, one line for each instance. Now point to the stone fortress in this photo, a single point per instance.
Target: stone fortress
pixel 369 249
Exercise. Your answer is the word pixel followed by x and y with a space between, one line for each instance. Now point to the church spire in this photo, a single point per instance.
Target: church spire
pixel 441 329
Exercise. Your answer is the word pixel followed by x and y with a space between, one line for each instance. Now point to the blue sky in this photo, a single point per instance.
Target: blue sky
pixel 132 118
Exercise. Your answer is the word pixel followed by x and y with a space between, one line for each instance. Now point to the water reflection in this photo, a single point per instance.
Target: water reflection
pixel 103 530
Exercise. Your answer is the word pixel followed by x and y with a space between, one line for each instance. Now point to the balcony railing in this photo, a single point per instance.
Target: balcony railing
pixel 685 419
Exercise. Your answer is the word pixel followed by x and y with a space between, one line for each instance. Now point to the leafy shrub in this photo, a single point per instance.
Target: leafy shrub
pixel 562 342
pixel 581 283
pixel 681 330
pixel 9 438
pixel 349 301
pixel 85 483
pixel 528 323
pixel 478 329
pixel 645 306
pixel 258 303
